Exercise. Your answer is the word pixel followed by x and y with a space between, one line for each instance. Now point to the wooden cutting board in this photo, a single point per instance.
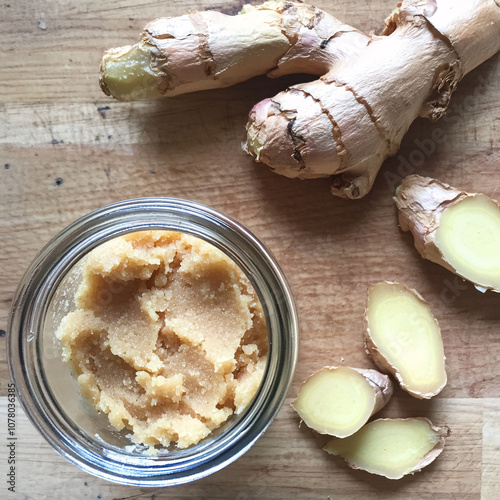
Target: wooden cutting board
pixel 67 149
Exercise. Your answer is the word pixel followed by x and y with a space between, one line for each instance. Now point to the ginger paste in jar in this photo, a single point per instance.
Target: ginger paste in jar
pixel 168 339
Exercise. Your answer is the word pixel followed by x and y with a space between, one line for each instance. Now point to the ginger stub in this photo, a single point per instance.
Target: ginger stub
pixel 338 401
pixel 453 228
pixel 391 448
pixel 168 339
pixel 346 123
pixel 403 338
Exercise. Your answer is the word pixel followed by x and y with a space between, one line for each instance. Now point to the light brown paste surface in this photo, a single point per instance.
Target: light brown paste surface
pixel 168 338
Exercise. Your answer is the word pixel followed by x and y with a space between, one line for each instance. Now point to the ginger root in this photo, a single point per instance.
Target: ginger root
pixel 403 338
pixel 458 230
pixel 339 400
pixel 346 123
pixel 391 447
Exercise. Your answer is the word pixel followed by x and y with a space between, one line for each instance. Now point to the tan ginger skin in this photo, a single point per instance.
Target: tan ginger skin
pixel 346 123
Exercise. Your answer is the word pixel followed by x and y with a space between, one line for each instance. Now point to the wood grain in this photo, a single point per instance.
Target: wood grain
pixel 56 124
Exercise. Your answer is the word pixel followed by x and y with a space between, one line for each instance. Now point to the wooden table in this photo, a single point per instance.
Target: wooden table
pixel 67 149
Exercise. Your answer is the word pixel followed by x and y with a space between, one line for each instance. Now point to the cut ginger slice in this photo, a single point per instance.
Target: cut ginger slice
pixel 391 447
pixel 455 229
pixel 468 236
pixel 339 400
pixel 404 339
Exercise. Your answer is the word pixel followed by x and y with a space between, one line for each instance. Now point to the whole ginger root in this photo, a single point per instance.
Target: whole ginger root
pixel 346 123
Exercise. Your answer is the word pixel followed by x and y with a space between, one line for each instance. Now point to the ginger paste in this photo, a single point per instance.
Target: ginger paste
pixel 168 339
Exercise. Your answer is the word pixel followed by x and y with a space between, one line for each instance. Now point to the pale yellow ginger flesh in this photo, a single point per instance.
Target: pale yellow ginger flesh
pixel 369 91
pixel 168 338
pixel 391 447
pixel 468 236
pixel 404 339
pixel 453 228
pixel 339 400
pixel 131 74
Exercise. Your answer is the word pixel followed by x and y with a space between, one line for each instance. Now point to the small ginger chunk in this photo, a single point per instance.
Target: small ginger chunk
pixel 391 448
pixel 339 400
pixel 404 339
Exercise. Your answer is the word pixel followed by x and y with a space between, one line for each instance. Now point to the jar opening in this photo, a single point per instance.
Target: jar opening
pixel 45 297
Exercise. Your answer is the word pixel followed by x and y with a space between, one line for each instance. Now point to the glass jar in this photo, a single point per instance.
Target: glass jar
pixel 49 393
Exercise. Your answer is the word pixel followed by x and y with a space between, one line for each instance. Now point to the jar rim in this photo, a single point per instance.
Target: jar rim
pixel 59 256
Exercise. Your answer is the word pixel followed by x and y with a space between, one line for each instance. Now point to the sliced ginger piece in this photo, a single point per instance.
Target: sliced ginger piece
pixel 339 400
pixel 391 447
pixel 404 339
pixel 458 230
pixel 469 239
